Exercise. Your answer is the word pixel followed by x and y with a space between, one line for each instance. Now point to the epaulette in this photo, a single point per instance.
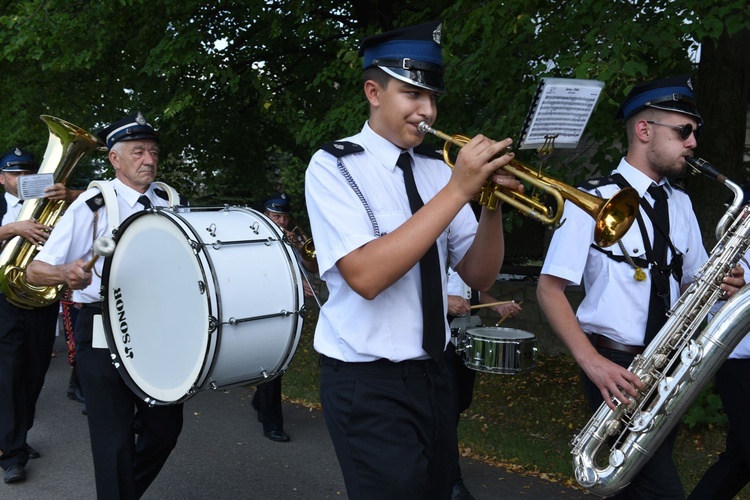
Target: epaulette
pixel 596 182
pixel 96 202
pixel 429 151
pixel 340 149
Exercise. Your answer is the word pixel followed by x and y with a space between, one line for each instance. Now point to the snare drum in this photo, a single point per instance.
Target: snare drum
pixel 200 298
pixel 499 350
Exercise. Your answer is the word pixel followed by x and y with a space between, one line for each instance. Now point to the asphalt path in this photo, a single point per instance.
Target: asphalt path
pixel 222 455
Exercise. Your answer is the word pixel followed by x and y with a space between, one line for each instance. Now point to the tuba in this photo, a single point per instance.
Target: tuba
pixel 613 217
pixel 66 146
pixel 615 444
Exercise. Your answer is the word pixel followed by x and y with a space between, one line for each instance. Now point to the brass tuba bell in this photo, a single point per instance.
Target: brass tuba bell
pixel 66 146
pixel 613 217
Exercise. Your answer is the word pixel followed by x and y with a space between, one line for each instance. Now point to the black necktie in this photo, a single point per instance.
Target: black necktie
pixel 143 200
pixel 658 304
pixel 433 316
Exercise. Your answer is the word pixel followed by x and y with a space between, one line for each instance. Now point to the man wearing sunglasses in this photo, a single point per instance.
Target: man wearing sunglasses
pixel 630 286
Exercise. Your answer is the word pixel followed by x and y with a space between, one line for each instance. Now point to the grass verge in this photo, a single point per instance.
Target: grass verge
pixel 522 422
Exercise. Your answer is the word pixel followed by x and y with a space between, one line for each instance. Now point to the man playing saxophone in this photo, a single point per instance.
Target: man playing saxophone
pixel 631 286
pixel 26 335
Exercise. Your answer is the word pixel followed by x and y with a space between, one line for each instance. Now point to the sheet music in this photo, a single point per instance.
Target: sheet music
pixel 33 185
pixel 562 107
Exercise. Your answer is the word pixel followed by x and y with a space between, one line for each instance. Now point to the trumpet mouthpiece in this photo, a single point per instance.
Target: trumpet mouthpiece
pixel 104 246
pixel 423 127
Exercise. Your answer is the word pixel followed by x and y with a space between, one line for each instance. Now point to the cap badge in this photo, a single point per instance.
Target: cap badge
pixel 17 152
pixel 140 119
pixel 437 34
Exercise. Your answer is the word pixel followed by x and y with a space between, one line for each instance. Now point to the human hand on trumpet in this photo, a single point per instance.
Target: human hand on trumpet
pixel 480 159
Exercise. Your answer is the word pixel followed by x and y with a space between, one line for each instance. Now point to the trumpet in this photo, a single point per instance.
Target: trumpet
pixel 613 217
pixel 307 251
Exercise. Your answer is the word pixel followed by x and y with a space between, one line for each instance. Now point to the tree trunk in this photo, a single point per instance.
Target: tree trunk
pixel 722 89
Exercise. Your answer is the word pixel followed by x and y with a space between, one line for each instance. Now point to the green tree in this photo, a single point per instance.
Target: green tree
pixel 243 92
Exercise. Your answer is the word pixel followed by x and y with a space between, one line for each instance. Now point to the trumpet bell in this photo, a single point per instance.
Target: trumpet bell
pixel 615 217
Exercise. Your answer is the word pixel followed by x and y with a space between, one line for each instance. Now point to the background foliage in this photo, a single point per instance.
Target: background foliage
pixel 243 91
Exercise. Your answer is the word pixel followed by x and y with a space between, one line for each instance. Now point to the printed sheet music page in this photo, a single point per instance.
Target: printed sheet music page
pixel 562 108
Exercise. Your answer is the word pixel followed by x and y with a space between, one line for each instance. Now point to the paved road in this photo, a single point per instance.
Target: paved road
pixel 222 455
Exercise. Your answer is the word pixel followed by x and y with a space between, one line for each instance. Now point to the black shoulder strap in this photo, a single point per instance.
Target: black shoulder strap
pixel 339 149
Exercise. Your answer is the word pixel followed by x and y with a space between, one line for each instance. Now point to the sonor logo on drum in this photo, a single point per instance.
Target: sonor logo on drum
pixel 120 306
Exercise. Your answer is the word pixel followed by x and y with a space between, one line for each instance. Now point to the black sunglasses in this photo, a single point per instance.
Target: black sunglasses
pixel 685 130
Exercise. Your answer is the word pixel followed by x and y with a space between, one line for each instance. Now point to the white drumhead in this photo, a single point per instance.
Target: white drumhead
pixel 158 307
pixel 498 333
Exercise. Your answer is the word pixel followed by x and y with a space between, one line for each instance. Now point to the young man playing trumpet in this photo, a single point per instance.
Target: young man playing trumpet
pixel 387 223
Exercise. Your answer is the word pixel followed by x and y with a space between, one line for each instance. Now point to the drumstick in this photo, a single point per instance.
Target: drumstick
pixel 506 316
pixel 491 304
pixel 104 247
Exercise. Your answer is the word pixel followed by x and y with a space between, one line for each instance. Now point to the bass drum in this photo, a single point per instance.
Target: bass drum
pixel 200 298
pixel 499 350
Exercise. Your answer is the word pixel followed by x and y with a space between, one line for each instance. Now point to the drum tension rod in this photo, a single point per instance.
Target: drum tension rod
pixel 235 321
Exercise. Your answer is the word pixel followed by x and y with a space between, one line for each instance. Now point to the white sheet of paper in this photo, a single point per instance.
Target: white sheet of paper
pixel 33 185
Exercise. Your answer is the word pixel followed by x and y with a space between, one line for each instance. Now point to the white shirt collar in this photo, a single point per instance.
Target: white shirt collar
pixel 638 180
pixel 384 150
pixel 129 194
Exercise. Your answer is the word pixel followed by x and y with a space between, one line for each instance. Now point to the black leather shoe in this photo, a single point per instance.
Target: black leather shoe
pixel 279 436
pixel 31 452
pixel 460 492
pixel 74 393
pixel 14 474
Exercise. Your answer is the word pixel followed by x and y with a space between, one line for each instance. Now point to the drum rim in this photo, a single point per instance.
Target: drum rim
pixel 210 351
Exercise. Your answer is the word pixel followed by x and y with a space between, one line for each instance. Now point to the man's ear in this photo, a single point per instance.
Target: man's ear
pixel 642 130
pixel 114 159
pixel 372 92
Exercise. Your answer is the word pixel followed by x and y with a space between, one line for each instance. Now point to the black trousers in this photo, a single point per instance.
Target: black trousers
pixel 124 466
pixel 267 402
pixel 659 478
pixel 726 477
pixel 393 426
pixel 463 379
pixel 27 337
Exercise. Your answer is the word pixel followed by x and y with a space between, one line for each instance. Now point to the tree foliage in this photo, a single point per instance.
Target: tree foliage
pixel 243 92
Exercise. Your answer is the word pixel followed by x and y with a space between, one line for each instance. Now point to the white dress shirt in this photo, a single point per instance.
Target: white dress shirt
pixel 73 236
pixel 616 304
pixel 351 328
pixel 14 208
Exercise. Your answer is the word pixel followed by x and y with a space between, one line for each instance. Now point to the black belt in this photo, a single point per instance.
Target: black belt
pixel 382 365
pixel 602 342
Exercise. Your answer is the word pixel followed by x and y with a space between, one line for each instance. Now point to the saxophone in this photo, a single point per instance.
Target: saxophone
pixel 66 146
pixel 615 444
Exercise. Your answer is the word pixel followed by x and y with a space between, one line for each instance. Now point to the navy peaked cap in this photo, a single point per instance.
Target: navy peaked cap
pixel 131 128
pixel 17 160
pixel 411 54
pixel 669 94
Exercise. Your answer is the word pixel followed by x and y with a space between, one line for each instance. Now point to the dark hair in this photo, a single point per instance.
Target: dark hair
pixel 378 75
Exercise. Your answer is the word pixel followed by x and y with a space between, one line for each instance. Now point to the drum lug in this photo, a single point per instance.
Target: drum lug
pixel 255 227
pixel 212 230
pixel 201 287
